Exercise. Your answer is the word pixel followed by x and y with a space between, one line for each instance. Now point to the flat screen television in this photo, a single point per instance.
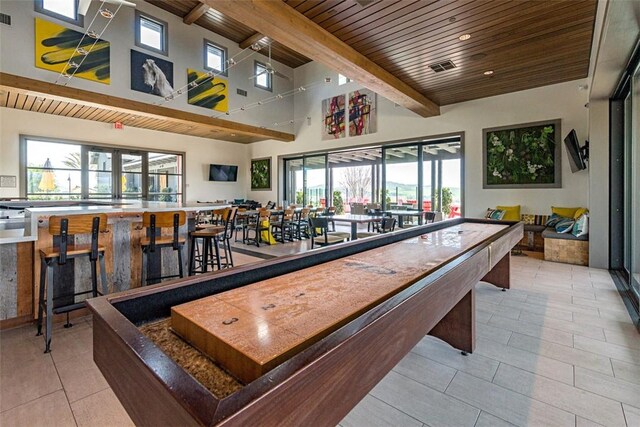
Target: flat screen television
pixel 575 153
pixel 223 173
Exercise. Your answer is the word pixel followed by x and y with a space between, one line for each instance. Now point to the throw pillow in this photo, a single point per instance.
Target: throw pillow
pixel 581 227
pixel 553 220
pixel 580 212
pixel 564 212
pixel 565 225
pixel 494 214
pixel 528 218
pixel 512 213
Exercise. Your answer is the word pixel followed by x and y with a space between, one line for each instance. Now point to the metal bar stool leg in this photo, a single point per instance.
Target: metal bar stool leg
pixel 143 275
pixel 180 266
pixel 48 332
pixel 41 302
pixel 192 255
pixel 230 256
pixel 103 275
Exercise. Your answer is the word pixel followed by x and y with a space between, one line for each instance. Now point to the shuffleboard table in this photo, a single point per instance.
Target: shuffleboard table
pixel 298 340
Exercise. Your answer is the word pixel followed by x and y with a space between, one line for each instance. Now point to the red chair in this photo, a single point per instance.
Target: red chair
pixel 455 212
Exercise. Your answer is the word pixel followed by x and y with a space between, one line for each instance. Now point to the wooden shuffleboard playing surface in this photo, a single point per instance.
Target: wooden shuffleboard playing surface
pixel 252 329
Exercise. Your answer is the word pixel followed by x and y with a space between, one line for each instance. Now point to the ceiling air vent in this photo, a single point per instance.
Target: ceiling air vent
pixel 442 66
pixel 5 19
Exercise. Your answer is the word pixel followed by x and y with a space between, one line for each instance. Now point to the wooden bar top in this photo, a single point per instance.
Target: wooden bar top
pixel 252 329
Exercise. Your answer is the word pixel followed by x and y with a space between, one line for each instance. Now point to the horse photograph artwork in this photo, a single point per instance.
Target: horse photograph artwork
pixel 150 74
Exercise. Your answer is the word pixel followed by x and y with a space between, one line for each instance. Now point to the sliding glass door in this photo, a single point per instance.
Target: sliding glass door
pixel 632 184
pixel 315 181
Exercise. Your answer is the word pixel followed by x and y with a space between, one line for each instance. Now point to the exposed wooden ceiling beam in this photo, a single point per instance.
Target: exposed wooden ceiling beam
pixel 285 25
pixel 249 41
pixel 225 130
pixel 195 13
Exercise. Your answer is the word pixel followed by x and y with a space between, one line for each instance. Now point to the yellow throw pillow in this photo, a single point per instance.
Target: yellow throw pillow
pixel 580 212
pixel 564 212
pixel 512 213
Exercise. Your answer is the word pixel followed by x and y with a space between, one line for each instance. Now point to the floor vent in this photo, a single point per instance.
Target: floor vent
pixel 5 19
pixel 442 66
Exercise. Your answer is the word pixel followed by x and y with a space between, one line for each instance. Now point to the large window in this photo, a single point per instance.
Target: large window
pixel 262 76
pixel 215 57
pixel 65 10
pixel 56 170
pixel 151 33
pixel 424 175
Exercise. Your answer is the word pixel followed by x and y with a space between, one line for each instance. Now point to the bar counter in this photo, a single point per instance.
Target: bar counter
pixel 20 259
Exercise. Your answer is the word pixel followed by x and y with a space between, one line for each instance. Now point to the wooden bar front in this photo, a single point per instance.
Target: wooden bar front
pixel 319 384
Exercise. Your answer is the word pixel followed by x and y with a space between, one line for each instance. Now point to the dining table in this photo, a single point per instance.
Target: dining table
pixel 401 214
pixel 354 220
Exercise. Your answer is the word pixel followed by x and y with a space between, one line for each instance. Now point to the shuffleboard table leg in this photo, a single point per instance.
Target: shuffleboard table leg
pixel 458 327
pixel 500 274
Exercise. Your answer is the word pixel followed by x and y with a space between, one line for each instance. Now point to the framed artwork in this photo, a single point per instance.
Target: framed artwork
pixel 261 174
pixel 55 45
pixel 150 74
pixel 333 118
pixel 522 156
pixel 362 112
pixel 210 92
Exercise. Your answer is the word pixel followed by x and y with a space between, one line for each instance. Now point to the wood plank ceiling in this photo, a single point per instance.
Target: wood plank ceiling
pixel 526 43
pixel 33 95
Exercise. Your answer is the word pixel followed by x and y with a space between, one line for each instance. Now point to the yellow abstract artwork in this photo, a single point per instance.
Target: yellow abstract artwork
pixel 211 93
pixel 55 45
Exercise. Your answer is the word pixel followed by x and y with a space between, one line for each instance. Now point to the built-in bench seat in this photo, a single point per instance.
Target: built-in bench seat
pixel 565 247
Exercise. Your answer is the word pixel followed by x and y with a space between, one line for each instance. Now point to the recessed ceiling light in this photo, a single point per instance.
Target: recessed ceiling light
pixel 233 134
pixel 488 72
pixel 464 37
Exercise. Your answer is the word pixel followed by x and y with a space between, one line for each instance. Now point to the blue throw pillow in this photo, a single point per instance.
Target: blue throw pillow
pixel 553 220
pixel 565 225
pixel 494 214
pixel 581 227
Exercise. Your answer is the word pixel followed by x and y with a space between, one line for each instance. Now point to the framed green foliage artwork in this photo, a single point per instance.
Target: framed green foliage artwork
pixel 261 174
pixel 522 156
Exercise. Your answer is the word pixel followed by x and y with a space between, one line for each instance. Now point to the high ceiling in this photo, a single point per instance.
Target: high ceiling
pixel 526 43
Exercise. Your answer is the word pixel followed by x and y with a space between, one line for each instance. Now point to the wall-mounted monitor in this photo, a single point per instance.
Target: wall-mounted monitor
pixel 577 155
pixel 223 173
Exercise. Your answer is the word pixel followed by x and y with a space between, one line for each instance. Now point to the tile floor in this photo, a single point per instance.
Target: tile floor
pixel 557 349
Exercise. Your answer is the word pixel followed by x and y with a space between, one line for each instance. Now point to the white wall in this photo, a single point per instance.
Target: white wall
pixel 185 51
pixel 200 152
pixel 562 101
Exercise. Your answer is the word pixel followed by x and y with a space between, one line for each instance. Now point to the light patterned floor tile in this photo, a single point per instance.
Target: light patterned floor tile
pixel 613 351
pixel 560 395
pixel 526 360
pixel 626 371
pixel 423 403
pixel 506 404
pixel 50 410
pixel 102 409
pixel 564 325
pixel 425 371
pixel 632 415
pixel 533 330
pixel 487 420
pixel 572 356
pixel 375 413
pixel 475 364
pixel 611 387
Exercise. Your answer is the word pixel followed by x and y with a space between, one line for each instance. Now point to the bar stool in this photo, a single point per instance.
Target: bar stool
pixel 154 222
pixel 64 229
pixel 211 237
